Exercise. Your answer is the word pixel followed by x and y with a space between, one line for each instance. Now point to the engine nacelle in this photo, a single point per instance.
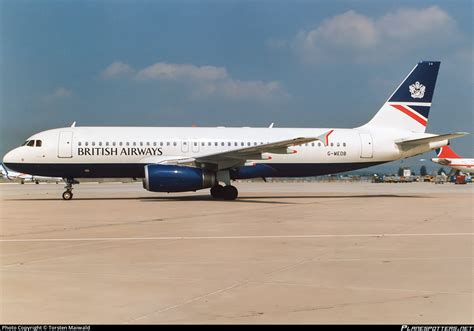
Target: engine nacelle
pixel 172 178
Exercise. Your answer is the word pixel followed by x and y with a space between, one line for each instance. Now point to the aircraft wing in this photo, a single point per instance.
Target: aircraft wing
pixel 239 156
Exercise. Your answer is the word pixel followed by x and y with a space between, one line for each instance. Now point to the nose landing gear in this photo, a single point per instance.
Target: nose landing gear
pixel 67 195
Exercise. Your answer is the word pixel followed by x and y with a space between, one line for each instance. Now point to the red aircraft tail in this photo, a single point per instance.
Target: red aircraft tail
pixel 446 153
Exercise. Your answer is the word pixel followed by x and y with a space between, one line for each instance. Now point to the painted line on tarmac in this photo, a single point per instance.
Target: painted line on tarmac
pixel 308 236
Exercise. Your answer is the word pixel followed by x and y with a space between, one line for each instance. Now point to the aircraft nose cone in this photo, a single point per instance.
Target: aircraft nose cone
pixel 11 157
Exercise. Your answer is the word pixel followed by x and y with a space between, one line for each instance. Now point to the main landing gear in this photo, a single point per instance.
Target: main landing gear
pixel 67 195
pixel 227 192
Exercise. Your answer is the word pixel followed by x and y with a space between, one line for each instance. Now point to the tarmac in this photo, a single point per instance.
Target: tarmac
pixel 313 253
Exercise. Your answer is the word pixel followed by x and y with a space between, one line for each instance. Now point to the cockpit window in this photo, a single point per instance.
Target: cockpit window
pixel 30 143
pixel 38 143
pixel 25 143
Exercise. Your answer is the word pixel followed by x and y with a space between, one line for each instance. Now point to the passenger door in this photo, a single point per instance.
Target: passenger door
pixel 366 150
pixel 65 144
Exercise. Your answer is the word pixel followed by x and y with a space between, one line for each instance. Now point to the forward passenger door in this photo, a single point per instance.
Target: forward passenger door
pixel 65 144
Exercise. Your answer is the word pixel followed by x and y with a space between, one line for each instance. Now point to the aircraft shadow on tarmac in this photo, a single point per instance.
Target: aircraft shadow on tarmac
pixel 265 199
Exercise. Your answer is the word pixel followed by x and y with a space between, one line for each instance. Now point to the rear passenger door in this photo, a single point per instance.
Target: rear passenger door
pixel 366 150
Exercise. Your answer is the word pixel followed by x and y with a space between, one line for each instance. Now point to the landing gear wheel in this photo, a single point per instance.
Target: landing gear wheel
pixel 216 191
pixel 67 195
pixel 230 192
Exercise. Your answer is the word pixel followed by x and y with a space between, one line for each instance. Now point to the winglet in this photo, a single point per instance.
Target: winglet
pixel 324 138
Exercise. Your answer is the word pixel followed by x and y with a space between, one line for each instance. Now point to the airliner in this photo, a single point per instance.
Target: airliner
pixel 21 177
pixel 447 157
pixel 179 159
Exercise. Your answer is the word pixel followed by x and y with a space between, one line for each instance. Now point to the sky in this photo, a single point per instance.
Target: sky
pixel 228 63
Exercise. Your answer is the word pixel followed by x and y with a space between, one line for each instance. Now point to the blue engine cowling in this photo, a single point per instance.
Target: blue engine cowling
pixel 172 178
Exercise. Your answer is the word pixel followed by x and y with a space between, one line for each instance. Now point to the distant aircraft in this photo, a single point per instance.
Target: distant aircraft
pixel 447 157
pixel 21 177
pixel 174 159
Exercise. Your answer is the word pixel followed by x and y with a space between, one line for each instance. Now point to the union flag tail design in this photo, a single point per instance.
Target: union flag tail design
pixel 409 106
pixel 446 153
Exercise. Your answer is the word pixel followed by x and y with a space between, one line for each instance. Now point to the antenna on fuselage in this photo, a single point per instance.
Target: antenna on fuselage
pixel 73 125
pixel 271 126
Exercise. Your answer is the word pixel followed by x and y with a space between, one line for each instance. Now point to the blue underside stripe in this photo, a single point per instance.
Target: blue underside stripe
pixel 135 170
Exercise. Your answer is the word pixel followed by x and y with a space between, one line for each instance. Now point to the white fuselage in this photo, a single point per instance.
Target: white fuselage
pixel 79 152
pixel 463 165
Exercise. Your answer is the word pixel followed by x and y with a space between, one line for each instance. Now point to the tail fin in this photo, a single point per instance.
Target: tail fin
pixel 409 106
pixel 446 153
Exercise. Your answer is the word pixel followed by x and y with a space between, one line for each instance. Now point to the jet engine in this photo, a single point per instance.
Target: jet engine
pixel 172 178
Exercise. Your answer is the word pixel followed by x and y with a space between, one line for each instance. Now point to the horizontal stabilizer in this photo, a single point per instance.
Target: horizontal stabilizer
pixel 427 140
